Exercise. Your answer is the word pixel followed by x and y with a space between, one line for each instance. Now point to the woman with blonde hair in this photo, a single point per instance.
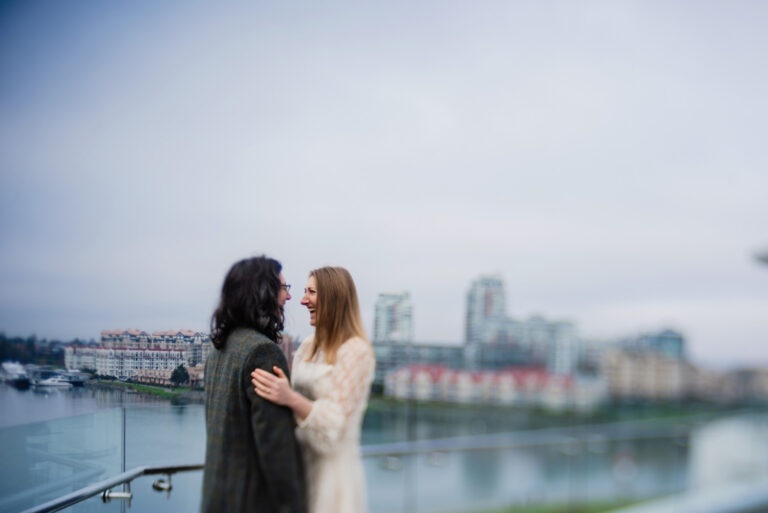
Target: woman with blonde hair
pixel 332 374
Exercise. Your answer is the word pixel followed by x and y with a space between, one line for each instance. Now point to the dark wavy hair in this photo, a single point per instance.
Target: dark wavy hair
pixel 249 300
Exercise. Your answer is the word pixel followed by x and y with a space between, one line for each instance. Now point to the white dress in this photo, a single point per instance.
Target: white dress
pixel 330 435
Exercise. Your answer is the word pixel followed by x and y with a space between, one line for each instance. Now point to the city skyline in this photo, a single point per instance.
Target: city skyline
pixel 606 159
pixel 398 304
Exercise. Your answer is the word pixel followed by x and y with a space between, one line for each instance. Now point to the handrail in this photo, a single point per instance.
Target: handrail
pixel 105 485
pixel 734 498
pixel 593 434
pixel 546 436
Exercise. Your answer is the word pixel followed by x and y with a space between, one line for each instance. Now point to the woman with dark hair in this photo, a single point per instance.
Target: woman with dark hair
pixel 332 374
pixel 250 298
pixel 253 462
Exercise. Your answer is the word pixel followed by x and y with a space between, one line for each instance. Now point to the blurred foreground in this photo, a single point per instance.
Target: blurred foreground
pixel 418 457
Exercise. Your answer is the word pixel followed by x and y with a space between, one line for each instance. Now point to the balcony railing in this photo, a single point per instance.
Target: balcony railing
pixel 105 488
pixel 746 497
pixel 80 463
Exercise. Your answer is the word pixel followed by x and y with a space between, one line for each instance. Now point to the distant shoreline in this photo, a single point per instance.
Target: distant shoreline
pixel 172 394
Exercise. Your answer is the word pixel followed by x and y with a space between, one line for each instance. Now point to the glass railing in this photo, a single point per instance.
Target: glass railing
pixel 45 460
pixel 162 435
pixel 562 466
pixel 411 465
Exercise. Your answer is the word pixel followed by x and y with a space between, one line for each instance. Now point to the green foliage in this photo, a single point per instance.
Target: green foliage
pixel 145 389
pixel 179 375
pixel 31 350
pixel 17 349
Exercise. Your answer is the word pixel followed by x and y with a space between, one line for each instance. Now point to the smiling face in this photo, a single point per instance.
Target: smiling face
pixel 310 299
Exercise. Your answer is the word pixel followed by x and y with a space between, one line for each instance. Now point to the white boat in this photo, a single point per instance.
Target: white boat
pixel 76 378
pixel 54 381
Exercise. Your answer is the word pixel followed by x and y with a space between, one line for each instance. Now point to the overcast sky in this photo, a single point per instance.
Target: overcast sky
pixel 608 159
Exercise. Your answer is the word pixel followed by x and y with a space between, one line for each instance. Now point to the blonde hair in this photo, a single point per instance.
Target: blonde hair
pixel 337 311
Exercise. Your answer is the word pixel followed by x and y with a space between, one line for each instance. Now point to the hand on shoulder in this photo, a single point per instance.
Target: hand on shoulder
pixel 273 386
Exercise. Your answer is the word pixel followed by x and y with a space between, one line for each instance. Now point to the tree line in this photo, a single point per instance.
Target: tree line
pixel 33 350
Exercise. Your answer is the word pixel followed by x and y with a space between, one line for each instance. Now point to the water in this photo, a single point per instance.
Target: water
pixel 46 403
pixel 74 436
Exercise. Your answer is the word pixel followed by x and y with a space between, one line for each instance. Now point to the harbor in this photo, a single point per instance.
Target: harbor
pixel 22 377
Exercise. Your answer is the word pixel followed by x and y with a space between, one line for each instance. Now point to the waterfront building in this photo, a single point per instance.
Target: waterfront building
pixel 123 362
pixel 711 385
pixel 495 356
pixel 393 319
pixel 632 375
pixel 590 355
pixel 486 318
pixel 752 384
pixel 536 342
pixel 649 366
pixel 125 338
pixel 562 354
pixel 158 339
pixel 163 376
pixel 391 355
pixel 736 386
pixel 513 386
pixel 668 343
pixel 122 353
pixel 652 366
pixel 495 340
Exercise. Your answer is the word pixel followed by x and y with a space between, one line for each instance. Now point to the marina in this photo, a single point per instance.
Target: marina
pixel 22 377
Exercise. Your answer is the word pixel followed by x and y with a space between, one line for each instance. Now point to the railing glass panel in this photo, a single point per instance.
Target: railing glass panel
pixel 158 435
pixel 46 460
pixel 409 468
pixel 491 472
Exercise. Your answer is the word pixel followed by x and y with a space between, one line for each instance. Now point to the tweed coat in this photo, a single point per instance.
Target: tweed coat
pixel 253 463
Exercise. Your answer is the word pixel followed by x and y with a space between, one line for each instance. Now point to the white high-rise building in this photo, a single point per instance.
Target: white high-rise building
pixel 394 318
pixel 563 349
pixel 486 310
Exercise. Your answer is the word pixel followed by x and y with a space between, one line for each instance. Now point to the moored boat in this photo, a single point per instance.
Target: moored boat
pixel 54 381
pixel 76 378
pixel 15 375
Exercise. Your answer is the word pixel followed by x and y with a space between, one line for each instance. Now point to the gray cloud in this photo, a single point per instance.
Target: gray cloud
pixel 606 158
